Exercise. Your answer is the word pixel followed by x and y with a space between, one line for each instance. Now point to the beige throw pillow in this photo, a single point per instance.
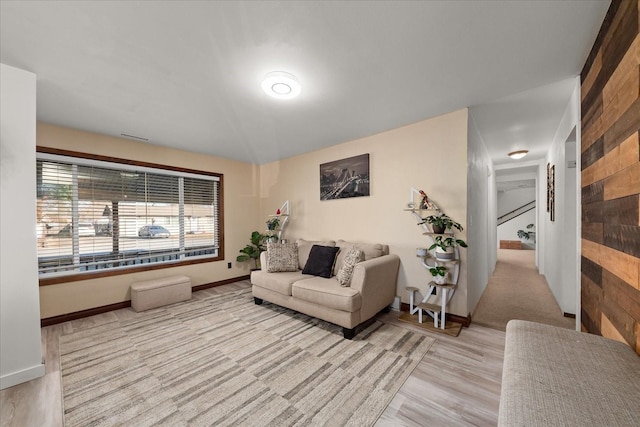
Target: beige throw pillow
pixel 370 250
pixel 282 257
pixel 351 258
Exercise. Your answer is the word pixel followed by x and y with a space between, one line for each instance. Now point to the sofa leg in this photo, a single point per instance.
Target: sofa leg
pixel 257 300
pixel 349 333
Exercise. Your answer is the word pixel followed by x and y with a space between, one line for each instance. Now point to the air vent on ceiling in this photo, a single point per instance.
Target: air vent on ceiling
pixel 139 138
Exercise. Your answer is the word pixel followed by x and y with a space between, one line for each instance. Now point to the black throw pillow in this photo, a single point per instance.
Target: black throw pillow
pixel 321 260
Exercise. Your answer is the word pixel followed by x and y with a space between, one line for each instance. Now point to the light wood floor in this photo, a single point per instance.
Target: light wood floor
pixel 456 383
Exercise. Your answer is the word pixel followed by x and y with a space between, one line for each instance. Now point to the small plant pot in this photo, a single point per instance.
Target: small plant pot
pixel 438 230
pixel 444 255
pixel 441 280
pixel 422 252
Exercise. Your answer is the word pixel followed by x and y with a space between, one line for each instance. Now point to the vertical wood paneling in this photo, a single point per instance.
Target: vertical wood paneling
pixel 623 183
pixel 623 211
pixel 591 296
pixel 593 231
pixel 610 177
pixel 591 153
pixel 627 298
pixel 623 265
pixel 623 128
pixel 590 78
pixel 610 331
pixel 592 270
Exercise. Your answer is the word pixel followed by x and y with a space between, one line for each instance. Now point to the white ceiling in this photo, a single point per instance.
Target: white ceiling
pixel 187 74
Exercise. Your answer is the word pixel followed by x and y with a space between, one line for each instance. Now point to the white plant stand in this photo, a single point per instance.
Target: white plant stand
pixel 435 301
pixel 284 219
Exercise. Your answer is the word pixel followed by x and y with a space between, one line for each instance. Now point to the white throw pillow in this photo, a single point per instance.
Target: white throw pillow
pixel 351 258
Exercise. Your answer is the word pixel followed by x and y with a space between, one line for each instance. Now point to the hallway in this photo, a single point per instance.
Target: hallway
pixel 517 291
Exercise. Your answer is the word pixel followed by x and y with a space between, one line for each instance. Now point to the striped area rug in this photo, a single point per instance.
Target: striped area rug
pixel 225 361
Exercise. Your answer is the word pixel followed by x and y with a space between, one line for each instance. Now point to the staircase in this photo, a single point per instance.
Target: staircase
pixel 516 212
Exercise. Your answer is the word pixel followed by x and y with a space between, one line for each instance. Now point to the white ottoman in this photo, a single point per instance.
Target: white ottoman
pixel 154 293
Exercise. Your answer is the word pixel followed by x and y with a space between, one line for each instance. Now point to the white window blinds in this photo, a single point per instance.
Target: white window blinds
pixel 96 215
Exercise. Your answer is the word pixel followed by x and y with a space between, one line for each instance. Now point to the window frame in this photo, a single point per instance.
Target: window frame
pixel 86 275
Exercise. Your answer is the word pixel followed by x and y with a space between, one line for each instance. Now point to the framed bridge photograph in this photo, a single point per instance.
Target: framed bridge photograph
pixel 345 178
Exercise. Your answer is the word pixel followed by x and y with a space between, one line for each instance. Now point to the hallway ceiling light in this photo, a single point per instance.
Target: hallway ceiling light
pixel 281 85
pixel 518 154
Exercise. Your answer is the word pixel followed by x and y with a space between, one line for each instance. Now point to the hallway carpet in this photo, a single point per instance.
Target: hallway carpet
pixel 517 291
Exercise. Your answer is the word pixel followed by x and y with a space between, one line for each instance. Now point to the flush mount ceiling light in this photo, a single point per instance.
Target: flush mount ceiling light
pixel 518 154
pixel 281 85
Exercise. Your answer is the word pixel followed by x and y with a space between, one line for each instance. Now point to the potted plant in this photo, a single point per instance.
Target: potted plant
pixel 422 252
pixel 441 222
pixel 526 235
pixel 444 247
pixel 253 250
pixel 272 225
pixel 440 274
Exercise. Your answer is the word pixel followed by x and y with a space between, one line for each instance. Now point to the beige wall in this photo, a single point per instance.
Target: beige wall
pixel 241 207
pixel 429 155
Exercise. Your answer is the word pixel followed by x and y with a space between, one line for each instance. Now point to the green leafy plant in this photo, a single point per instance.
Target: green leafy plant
pixel 273 223
pixel 526 234
pixel 442 221
pixel 438 270
pixel 253 250
pixel 446 242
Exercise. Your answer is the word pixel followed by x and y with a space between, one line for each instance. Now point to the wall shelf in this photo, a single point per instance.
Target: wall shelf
pixel 284 214
pixel 435 301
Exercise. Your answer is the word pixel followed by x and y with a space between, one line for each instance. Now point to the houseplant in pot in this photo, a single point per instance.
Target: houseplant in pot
pixel 440 274
pixel 441 223
pixel 444 247
pixel 272 226
pixel 526 235
pixel 253 250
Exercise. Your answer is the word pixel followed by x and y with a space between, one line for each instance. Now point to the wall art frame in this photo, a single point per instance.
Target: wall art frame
pixel 548 186
pixel 345 178
pixel 552 195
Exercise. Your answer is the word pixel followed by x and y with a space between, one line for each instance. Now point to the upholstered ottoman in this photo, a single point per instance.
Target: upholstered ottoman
pixel 154 293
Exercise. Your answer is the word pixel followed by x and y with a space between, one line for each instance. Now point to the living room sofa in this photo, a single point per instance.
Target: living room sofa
pixel 371 288
pixel 560 377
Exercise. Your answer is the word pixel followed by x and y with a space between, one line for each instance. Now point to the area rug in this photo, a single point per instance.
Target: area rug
pixel 225 361
pixel 450 328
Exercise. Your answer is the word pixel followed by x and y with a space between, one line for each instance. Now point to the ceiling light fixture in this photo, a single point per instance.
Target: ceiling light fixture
pixel 281 85
pixel 518 154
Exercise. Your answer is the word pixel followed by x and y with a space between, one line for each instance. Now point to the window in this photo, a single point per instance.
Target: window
pixel 105 216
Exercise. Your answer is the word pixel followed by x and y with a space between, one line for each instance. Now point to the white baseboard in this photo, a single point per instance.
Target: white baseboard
pixel 22 376
pixel 396 304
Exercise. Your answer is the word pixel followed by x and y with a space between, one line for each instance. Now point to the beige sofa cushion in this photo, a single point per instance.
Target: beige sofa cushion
pixel 304 248
pixel 327 293
pixel 561 377
pixel 277 282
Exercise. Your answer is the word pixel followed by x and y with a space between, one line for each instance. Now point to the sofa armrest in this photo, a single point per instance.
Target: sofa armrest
pixel 376 279
pixel 263 260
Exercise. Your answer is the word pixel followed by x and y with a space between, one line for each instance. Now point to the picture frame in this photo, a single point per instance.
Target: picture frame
pixel 345 178
pixel 552 196
pixel 548 187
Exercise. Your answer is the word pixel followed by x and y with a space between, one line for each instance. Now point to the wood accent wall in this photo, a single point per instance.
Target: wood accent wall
pixel 610 91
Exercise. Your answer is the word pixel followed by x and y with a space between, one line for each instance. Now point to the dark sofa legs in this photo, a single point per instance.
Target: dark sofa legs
pixel 258 301
pixel 349 333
